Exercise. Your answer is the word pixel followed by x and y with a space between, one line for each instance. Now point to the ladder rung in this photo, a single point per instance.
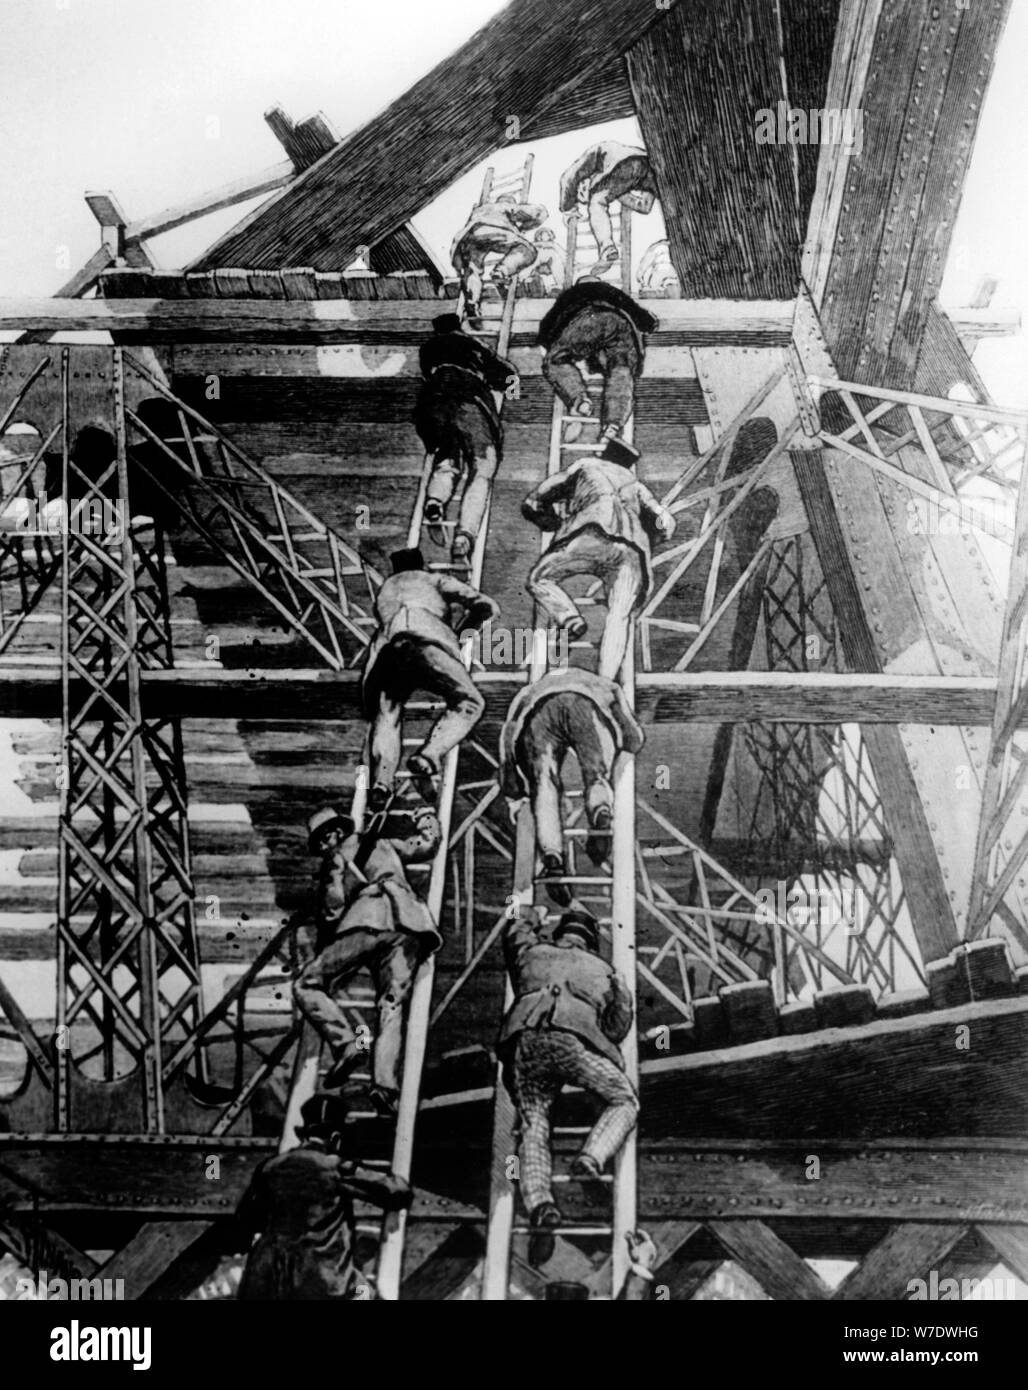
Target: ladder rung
pixel 574 1177
pixel 563 1230
pixel 295 536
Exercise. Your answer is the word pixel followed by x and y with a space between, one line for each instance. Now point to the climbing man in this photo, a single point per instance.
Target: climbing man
pixel 368 917
pixel 609 172
pixel 301 1203
pixel 597 324
pixel 569 711
pixel 571 1011
pixel 458 420
pixel 550 267
pixel 415 648
pixel 605 521
pixel 657 276
pixel 499 227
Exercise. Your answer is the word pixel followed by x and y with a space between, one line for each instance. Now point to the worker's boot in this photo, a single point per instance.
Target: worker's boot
pixel 609 257
pixel 598 846
pixel 426 777
pixel 553 868
pixel 582 408
pixel 574 629
pixel 588 1171
pixel 343 1063
pixel 379 797
pixel 385 1102
pixel 542 1243
pixel 460 551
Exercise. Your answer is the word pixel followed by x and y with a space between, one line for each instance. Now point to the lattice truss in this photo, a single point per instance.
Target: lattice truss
pixel 977 452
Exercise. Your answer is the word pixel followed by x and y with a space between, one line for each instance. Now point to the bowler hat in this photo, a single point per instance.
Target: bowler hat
pixel 322 822
pixel 617 451
pixel 446 323
pixel 582 923
pixel 407 560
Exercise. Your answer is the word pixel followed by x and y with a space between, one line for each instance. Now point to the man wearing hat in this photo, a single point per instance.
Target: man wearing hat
pixel 458 421
pixel 566 711
pixel 369 918
pixel 597 324
pixel 301 1203
pixel 416 648
pixel 570 1012
pixel 605 521
pixel 609 172
pixel 499 227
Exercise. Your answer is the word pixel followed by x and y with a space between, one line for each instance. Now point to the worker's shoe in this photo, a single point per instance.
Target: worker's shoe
pixel 426 776
pixel 386 1102
pixel 460 551
pixel 433 512
pixel 553 868
pixel 579 413
pixel 542 1243
pixel 574 629
pixel 598 846
pixel 345 1062
pixel 590 1174
pixel 379 797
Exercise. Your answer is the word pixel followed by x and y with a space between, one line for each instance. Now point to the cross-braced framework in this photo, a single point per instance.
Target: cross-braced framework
pixel 128 959
pixel 320 586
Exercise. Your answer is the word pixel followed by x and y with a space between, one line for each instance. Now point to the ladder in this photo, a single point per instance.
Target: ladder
pixel 610 893
pixel 583 251
pixel 419 715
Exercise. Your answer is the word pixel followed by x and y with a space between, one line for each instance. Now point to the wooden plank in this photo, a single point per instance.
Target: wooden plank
pixel 776 1266
pixel 718 246
pixel 733 697
pixel 438 130
pixel 87 277
pixel 904 1254
pixel 682 322
pixel 437 1278
pixel 150 1253
pixel 670 1238
pixel 1010 1244
pixel 228 195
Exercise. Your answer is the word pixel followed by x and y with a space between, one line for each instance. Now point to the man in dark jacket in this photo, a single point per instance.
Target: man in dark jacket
pixel 572 711
pixel 599 325
pixel 609 172
pixel 416 648
pixel 368 917
pixel 605 522
pixel 301 1203
pixel 570 1012
pixel 457 417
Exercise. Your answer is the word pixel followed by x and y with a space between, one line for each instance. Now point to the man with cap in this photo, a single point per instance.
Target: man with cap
pixel 301 1203
pixel 609 172
pixel 599 325
pixel 566 711
pixel 571 1011
pixel 457 417
pixel 497 226
pixel 605 522
pixel 368 918
pixel 415 648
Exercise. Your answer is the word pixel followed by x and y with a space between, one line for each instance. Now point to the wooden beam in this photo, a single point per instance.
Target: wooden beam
pixel 724 697
pixel 520 64
pixel 903 1255
pixel 1010 1244
pixel 150 1253
pixel 682 322
pixel 226 196
pixel 776 1267
pixel 719 247
pixel 883 214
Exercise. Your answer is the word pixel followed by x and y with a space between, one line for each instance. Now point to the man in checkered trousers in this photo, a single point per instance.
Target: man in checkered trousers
pixel 570 1012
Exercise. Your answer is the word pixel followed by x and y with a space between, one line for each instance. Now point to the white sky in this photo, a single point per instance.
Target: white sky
pixel 120 95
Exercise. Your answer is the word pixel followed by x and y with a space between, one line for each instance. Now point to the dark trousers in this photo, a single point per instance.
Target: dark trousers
pixel 409 665
pixel 464 445
pixel 392 957
pixel 561 725
pixel 606 342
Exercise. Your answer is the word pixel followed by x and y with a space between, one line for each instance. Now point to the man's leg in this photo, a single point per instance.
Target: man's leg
pixel 442 481
pixel 578 556
pixel 623 582
pixel 518 256
pixel 621 367
pixel 599 224
pixel 544 780
pixel 564 376
pixel 603 1078
pixel 385 741
pixel 393 969
pixel 594 747
pixel 444 675
pixel 468 261
pixel 535 1090
pixel 480 439
pixel 314 987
